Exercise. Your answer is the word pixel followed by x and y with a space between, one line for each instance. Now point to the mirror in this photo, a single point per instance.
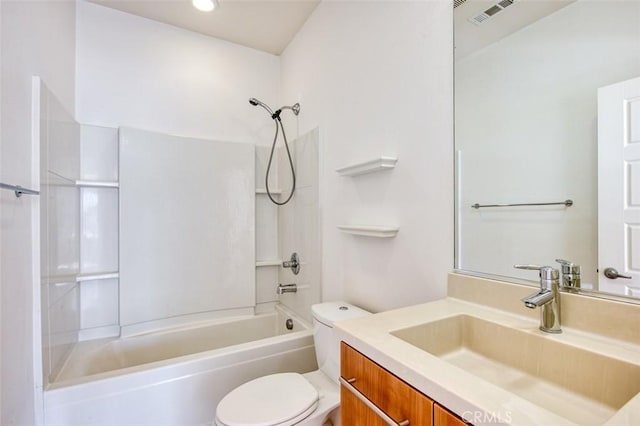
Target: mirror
pixel 547 117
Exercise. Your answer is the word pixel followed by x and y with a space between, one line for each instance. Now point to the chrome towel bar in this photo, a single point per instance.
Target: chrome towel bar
pixel 18 190
pixel 567 203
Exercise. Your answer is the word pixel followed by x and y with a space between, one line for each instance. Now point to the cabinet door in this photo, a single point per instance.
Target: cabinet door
pixel 442 417
pixel 394 397
pixel 355 412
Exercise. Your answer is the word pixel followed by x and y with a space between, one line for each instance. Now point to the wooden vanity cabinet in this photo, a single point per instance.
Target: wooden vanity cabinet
pixel 442 417
pixel 356 412
pixel 391 397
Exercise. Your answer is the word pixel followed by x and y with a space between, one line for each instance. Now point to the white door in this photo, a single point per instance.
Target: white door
pixel 619 188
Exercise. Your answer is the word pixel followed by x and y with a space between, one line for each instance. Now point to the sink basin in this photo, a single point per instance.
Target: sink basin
pixel 574 382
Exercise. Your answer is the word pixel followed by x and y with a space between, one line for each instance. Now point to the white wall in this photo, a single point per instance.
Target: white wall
pixel 376 77
pixel 526 115
pixel 37 39
pixel 139 73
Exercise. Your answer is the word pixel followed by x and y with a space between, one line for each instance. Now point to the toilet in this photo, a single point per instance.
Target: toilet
pixel 285 399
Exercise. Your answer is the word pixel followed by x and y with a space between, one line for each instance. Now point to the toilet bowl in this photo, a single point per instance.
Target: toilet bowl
pixel 285 399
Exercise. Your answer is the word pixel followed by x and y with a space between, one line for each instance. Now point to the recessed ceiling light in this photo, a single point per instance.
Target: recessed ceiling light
pixel 205 5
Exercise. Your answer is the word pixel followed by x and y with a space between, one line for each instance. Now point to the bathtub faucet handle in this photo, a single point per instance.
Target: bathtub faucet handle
pixel 293 263
pixel 287 288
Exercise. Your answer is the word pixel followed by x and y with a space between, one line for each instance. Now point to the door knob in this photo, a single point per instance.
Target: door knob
pixel 613 274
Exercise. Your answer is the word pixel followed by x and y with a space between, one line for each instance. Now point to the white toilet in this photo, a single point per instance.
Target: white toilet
pixel 286 399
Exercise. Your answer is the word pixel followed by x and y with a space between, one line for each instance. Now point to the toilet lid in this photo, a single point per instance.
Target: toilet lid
pixel 277 399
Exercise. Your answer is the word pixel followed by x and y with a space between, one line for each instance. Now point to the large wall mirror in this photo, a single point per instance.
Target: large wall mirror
pixel 547 113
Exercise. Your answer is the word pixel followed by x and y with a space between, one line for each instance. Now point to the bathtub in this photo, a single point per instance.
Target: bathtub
pixel 176 376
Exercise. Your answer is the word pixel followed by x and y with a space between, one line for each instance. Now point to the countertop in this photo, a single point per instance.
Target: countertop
pixel 470 397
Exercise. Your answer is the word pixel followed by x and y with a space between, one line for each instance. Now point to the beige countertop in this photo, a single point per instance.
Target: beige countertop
pixel 469 396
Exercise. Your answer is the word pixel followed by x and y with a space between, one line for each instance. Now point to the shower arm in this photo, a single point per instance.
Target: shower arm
pixel 295 108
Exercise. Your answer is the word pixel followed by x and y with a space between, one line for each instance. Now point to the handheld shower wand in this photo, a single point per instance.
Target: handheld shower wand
pixel 255 102
pixel 275 115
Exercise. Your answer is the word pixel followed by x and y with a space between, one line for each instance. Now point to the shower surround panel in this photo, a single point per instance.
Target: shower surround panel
pixel 187 232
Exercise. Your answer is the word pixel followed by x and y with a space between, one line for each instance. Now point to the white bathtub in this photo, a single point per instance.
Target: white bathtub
pixel 174 377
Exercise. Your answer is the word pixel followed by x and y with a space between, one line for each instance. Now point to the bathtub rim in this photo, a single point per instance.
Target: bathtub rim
pixel 184 362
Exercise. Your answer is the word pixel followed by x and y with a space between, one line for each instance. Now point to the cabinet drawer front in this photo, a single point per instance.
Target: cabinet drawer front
pixel 442 417
pixel 355 412
pixel 393 396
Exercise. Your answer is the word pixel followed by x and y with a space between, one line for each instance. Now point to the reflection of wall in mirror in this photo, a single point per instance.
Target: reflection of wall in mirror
pixel 526 113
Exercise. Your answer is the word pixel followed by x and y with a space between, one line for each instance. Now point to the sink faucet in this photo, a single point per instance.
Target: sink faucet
pixel 548 298
pixel 570 275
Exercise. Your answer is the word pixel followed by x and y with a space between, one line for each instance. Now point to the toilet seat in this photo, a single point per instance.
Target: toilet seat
pixel 275 400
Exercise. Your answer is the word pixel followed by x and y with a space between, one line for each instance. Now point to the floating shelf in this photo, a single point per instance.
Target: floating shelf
pixel 97 276
pixel 375 165
pixel 370 231
pixel 269 263
pixel 264 191
pixel 58 279
pixel 97 184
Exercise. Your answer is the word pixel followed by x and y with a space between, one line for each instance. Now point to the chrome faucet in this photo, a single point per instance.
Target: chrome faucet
pixel 570 275
pixel 287 288
pixel 547 299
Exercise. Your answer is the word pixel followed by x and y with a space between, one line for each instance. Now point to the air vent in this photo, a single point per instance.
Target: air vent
pixel 457 3
pixel 490 12
pixel 479 19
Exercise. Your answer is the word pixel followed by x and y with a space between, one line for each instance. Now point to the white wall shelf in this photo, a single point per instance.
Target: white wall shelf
pixel 375 165
pixel 56 279
pixel 264 191
pixel 59 279
pixel 370 231
pixel 268 263
pixel 97 276
pixel 97 184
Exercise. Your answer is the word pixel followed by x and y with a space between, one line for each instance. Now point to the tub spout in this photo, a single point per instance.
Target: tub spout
pixel 287 288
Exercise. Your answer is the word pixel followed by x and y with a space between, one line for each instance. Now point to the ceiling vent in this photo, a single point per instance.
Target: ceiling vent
pixel 490 12
pixel 457 3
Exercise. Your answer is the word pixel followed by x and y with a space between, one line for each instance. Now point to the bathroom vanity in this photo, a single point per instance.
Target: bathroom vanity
pixel 478 356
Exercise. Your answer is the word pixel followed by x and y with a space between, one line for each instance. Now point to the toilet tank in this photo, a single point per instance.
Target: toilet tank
pixel 326 343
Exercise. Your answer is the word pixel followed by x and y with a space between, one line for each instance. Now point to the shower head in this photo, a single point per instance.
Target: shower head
pixel 295 108
pixel 254 102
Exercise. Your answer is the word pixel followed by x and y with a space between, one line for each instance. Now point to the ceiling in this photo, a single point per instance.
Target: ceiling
pixel 471 37
pixel 267 25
